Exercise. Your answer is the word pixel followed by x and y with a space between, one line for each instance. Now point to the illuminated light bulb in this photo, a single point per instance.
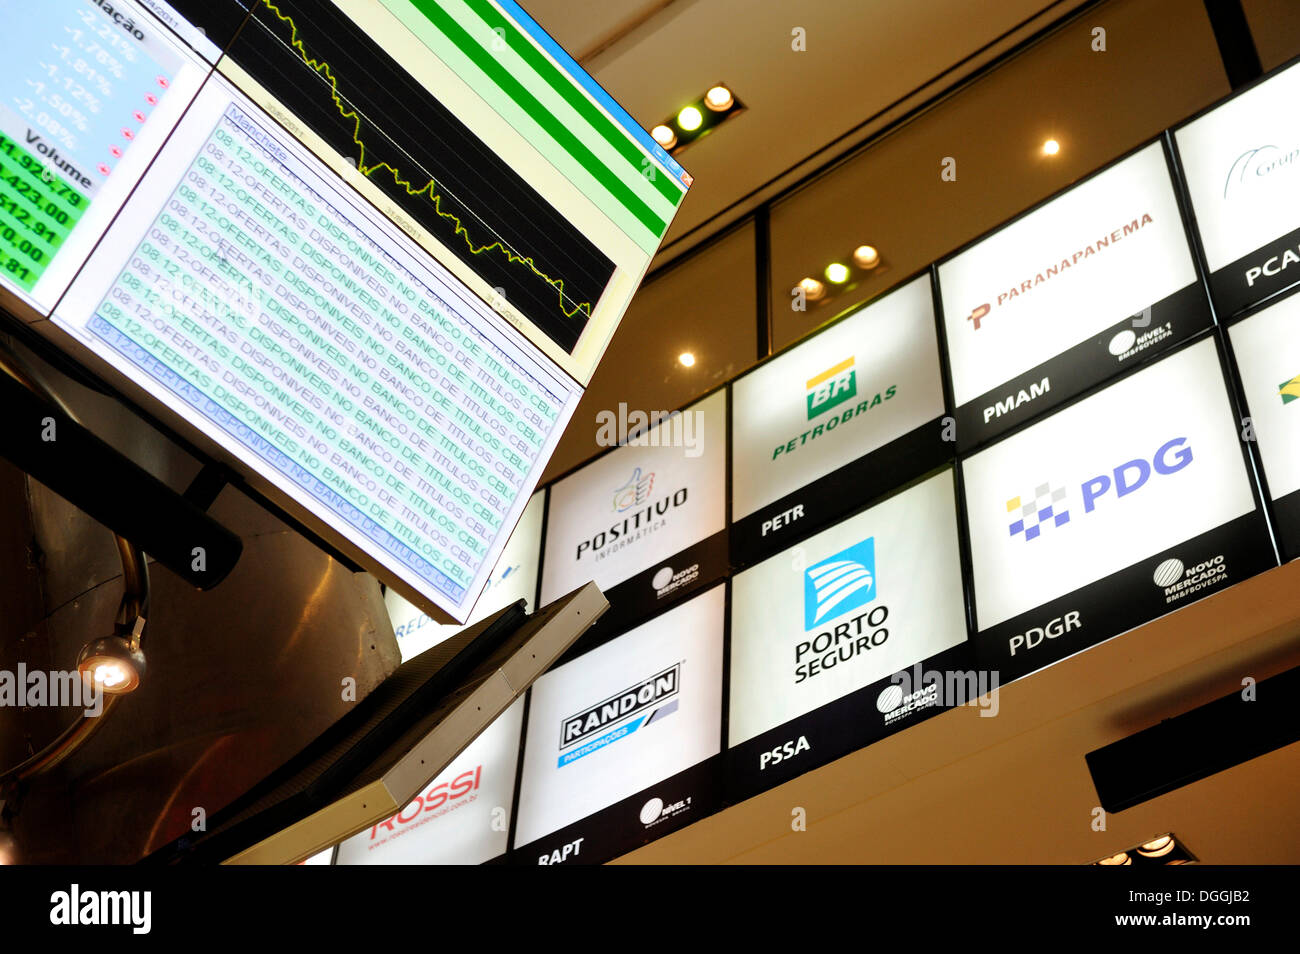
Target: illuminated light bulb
pixel 1051 147
pixel 664 136
pixel 1157 848
pixel 837 273
pixel 718 99
pixel 812 288
pixel 1123 858
pixel 687 359
pixel 690 118
pixel 866 256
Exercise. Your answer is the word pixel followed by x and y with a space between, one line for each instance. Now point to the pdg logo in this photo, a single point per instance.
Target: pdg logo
pixel 1132 474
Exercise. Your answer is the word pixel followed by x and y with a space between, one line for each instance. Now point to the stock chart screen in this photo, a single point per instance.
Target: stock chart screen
pixel 372 250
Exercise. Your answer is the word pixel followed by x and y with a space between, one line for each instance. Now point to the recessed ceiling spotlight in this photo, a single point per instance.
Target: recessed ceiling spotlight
pixel 687 359
pixel 812 288
pixel 690 118
pixel 664 136
pixel 837 273
pixel 1157 848
pixel 1123 858
pixel 718 99
pixel 1051 147
pixel 866 256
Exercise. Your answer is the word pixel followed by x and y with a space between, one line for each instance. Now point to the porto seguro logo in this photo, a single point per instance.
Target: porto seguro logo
pixel 833 589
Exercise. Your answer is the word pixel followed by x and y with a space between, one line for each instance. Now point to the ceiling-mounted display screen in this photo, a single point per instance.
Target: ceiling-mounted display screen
pixel 1267 349
pixel 513 578
pixel 1241 161
pixel 370 260
pixel 1118 509
pixel 836 420
pixel 620 518
pixel 461 817
pixel 1068 295
pixel 621 741
pixel 816 632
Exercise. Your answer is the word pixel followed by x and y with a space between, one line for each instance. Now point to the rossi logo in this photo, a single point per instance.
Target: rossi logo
pixel 833 386
pixel 1289 390
pixel 841 583
pixel 635 491
pixel 619 716
pixel 1179 582
pixel 1169 458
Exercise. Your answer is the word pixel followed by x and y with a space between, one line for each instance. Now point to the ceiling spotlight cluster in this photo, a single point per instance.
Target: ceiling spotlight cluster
pixel 839 276
pixel 1162 850
pixel 697 119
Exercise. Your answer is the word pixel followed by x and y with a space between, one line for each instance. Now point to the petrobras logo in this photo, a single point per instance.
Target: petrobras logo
pixel 1078 256
pixel 614 719
pixel 1289 390
pixel 833 386
pixel 1047 506
pixel 1179 582
pixel 840 584
pixel 635 492
pixel 1045 509
pixel 833 389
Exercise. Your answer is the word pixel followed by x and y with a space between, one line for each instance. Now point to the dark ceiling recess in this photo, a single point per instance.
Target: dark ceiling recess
pixel 1249 723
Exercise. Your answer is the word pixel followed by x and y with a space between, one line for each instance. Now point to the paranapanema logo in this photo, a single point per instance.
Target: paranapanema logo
pixel 1255 164
pixel 840 583
pixel 1289 390
pixel 1044 510
pixel 76 907
pixel 979 313
pixel 1179 582
pixel 617 717
pixel 635 491
pixel 833 386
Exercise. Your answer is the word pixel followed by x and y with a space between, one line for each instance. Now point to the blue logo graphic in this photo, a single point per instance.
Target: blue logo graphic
pixel 839 584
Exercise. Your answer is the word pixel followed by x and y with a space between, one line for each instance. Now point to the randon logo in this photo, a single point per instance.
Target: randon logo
pixel 841 583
